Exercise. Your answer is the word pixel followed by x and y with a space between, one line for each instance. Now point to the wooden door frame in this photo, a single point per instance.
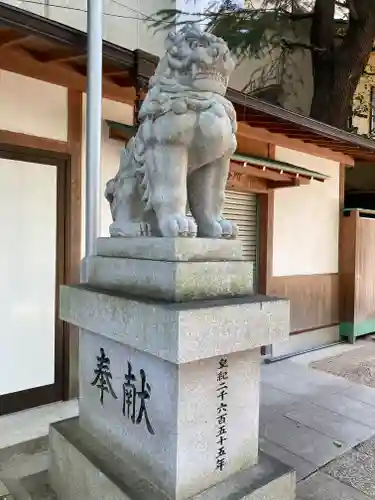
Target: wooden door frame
pixel 265 240
pixel 30 398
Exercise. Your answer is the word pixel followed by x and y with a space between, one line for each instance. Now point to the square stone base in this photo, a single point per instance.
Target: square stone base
pixel 198 437
pixel 81 468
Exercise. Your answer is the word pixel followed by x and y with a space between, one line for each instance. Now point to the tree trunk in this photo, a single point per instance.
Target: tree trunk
pixel 322 38
pixel 337 69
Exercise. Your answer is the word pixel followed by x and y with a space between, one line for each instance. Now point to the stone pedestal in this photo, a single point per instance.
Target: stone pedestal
pixel 169 376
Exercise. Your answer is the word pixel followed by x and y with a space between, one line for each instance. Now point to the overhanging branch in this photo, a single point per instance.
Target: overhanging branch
pixel 299 16
pixel 308 46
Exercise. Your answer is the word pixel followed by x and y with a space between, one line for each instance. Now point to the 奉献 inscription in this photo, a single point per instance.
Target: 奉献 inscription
pixel 131 395
pixel 222 413
pixel 135 393
pixel 103 376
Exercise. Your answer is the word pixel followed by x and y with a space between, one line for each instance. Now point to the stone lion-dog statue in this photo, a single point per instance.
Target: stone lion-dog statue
pixel 181 153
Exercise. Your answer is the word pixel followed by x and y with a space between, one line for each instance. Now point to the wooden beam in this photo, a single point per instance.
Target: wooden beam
pixel 263 174
pixel 239 181
pixel 80 70
pixel 15 42
pixel 271 151
pixel 118 135
pixel 287 184
pixel 339 148
pixel 118 72
pixel 21 62
pixel 8 39
pixel 32 141
pixel 261 134
pixel 123 80
pixel 61 58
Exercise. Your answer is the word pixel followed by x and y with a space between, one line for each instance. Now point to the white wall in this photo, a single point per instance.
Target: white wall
pixel 306 220
pixel 36 6
pixel 33 107
pixel 123 24
pixel 255 70
pixel 121 113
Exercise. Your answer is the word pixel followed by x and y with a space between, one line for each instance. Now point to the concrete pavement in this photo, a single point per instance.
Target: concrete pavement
pixel 322 426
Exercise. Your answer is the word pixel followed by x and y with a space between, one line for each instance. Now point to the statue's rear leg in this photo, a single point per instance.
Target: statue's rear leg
pixel 206 192
pixel 167 170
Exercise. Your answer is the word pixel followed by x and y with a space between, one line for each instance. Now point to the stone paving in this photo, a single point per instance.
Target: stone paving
pixel 323 426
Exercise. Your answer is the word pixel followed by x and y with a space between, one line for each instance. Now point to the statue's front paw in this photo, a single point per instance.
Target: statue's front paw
pixel 177 225
pixel 222 228
pixel 228 228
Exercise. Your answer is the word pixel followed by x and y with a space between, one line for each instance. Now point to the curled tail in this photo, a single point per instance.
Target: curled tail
pixel 114 184
pixel 135 164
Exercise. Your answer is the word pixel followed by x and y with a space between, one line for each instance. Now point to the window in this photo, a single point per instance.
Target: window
pixel 372 110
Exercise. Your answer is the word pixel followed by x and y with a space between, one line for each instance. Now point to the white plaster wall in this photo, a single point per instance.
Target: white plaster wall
pixel 295 77
pixel 33 107
pixel 121 113
pixel 254 70
pixel 123 21
pixel 36 6
pixel 306 220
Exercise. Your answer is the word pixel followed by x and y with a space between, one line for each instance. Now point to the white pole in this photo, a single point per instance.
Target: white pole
pixel 93 123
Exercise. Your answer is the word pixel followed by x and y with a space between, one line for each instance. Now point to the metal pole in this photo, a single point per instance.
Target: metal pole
pixel 93 123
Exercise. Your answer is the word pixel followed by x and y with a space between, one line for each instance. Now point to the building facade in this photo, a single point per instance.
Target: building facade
pixel 285 191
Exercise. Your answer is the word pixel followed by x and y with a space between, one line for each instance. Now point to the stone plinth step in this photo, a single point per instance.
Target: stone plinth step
pixel 170 249
pixel 82 468
pixel 172 281
pixel 23 471
pixel 32 487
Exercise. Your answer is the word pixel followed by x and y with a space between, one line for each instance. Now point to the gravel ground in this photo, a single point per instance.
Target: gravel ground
pixel 357 365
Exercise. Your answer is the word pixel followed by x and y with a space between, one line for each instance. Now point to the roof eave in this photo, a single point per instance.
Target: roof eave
pixel 33 24
pixel 310 124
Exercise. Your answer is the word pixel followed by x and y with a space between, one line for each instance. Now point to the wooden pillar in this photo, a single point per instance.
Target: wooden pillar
pixel 265 247
pixel 140 94
pixel 74 218
pixel 144 67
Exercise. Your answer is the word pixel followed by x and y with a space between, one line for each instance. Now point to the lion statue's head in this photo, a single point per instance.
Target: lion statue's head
pixel 194 60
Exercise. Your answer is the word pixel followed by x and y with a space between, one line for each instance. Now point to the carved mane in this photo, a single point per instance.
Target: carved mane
pixel 188 77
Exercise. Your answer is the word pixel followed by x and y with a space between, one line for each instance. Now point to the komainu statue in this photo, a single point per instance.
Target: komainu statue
pixel 181 152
